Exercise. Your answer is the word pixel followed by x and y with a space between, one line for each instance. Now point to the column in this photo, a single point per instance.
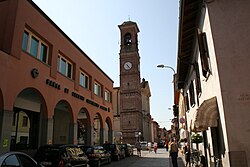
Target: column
pixel 6 119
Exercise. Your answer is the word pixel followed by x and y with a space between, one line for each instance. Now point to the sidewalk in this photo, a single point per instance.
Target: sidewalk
pixel 161 159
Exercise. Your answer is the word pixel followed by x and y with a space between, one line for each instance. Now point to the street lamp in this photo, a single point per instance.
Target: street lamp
pixel 139 134
pixel 174 77
pixel 163 66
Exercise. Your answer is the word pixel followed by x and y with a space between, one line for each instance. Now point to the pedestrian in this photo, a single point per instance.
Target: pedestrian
pixel 138 148
pixel 166 145
pixel 187 152
pixel 173 152
pixel 155 147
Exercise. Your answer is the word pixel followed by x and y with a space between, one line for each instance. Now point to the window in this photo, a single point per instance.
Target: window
pixel 84 80
pixel 26 161
pixel 11 161
pixel 43 53
pixel 25 40
pixel 187 102
pixel 107 96
pixel 197 82
pixel 204 55
pixel 25 121
pixel 35 46
pixel 65 67
pixel 97 89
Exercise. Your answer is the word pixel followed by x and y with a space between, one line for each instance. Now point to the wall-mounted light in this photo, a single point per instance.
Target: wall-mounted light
pixel 34 73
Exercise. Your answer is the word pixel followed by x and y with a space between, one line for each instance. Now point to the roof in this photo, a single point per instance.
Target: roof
pixel 189 15
pixel 129 23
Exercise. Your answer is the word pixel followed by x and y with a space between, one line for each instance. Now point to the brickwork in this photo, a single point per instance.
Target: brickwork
pixel 130 97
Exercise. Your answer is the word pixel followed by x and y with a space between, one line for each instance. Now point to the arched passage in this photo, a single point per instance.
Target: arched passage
pixel 29 112
pixel 107 130
pixel 63 131
pixel 98 130
pixel 83 127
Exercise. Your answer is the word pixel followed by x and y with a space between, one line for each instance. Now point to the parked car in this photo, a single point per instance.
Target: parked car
pixel 115 150
pixel 144 145
pixel 161 144
pixel 128 149
pixel 97 155
pixel 18 159
pixel 61 155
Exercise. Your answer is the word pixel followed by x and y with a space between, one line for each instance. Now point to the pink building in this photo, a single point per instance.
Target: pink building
pixel 50 90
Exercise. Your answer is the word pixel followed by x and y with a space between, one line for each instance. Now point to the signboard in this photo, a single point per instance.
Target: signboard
pixel 182 120
pixel 5 143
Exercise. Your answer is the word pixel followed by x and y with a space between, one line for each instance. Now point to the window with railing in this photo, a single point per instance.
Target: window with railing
pixel 35 46
pixel 65 67
pixel 204 54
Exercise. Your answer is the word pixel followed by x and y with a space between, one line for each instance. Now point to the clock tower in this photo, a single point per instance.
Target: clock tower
pixel 131 118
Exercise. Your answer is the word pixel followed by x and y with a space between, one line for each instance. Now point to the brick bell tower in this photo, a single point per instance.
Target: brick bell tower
pixel 131 121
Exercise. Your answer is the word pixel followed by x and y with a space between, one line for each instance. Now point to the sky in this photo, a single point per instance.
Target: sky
pixel 93 26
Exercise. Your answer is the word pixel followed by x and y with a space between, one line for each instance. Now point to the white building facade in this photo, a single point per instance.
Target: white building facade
pixel 212 74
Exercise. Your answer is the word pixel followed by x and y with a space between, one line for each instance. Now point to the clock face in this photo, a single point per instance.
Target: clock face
pixel 127 65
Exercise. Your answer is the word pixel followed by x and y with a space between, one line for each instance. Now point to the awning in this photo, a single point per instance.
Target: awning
pixel 205 116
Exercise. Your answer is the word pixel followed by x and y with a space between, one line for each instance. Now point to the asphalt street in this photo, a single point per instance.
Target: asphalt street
pixel 148 159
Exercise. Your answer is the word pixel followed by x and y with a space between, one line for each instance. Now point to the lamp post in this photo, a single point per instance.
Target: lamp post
pixel 163 66
pixel 139 134
pixel 174 84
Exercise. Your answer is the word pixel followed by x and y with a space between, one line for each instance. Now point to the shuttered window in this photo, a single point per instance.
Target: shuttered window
pixel 197 82
pixel 191 92
pixel 204 54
